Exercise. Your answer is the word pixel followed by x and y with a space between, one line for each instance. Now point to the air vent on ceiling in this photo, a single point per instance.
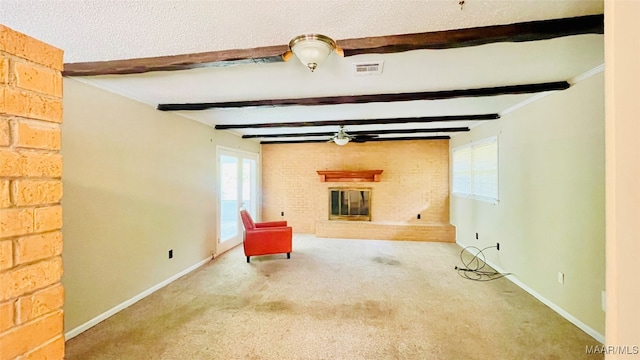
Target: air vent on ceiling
pixel 368 68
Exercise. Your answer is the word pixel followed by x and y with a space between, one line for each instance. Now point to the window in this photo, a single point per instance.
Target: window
pixel 474 170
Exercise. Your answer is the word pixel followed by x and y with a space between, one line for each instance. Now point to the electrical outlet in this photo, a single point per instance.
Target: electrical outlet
pixel 171 254
pixel 498 246
pixel 476 236
pixel 561 278
pixel 281 213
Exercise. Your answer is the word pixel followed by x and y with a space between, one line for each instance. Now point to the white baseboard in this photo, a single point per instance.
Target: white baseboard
pixel 582 326
pixel 91 323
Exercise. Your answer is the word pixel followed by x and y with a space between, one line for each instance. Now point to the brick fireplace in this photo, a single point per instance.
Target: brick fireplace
pixel 347 203
pixel 296 179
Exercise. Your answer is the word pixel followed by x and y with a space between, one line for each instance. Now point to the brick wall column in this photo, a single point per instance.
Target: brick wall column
pixel 31 295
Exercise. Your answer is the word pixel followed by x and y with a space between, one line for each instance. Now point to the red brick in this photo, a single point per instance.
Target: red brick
pixel 53 350
pixel 25 279
pixel 23 46
pixel 15 222
pixel 40 303
pixel 23 338
pixel 37 135
pixel 30 76
pixel 6 254
pixel 47 218
pixel 38 247
pixel 36 192
pixel 6 315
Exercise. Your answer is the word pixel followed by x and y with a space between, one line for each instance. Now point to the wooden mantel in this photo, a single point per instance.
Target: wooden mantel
pixel 349 175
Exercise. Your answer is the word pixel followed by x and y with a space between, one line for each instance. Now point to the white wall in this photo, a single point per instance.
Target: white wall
pixel 137 182
pixel 550 217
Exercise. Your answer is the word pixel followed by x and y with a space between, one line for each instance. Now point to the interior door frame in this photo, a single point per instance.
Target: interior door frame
pixel 241 155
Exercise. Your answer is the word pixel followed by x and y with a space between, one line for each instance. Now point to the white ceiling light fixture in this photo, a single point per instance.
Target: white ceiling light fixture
pixel 341 137
pixel 312 49
pixel 341 141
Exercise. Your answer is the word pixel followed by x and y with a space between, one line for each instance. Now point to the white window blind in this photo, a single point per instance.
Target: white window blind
pixel 462 170
pixel 475 170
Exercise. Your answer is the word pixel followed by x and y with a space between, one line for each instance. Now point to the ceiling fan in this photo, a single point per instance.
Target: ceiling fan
pixel 342 138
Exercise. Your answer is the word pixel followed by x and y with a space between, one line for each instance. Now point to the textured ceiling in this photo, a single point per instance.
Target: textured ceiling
pixel 100 30
pixel 93 30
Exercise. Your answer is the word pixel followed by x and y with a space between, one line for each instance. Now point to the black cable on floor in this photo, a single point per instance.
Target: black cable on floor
pixel 472 269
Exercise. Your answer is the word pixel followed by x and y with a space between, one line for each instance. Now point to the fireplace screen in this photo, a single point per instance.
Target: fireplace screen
pixel 350 204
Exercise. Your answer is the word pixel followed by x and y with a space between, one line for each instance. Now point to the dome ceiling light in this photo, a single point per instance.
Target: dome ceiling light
pixel 312 49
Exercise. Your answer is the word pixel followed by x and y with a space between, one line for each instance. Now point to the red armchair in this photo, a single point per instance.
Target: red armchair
pixel 265 238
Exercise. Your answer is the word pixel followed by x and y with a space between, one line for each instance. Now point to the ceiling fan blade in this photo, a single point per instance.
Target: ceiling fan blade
pixel 363 138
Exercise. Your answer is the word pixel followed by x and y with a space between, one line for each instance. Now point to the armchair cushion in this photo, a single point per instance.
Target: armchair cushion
pixel 270 224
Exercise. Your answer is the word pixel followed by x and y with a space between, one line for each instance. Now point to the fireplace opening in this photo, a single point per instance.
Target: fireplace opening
pixel 350 204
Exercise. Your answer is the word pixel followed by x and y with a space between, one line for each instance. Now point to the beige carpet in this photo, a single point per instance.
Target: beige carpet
pixel 336 299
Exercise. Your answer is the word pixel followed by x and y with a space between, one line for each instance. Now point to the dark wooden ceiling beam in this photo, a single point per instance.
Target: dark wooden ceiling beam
pixel 518 32
pixel 357 133
pixel 266 54
pixel 405 138
pixel 362 99
pixel 262 136
pixel 425 119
